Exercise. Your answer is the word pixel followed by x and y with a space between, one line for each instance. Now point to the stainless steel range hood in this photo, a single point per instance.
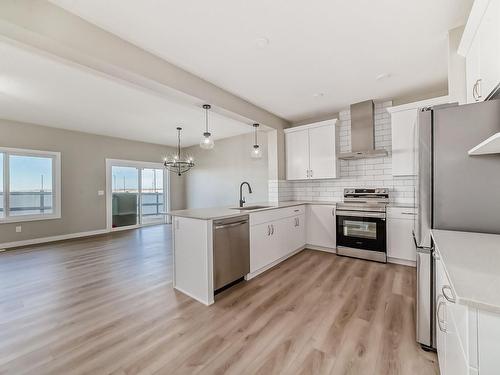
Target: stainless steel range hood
pixel 362 133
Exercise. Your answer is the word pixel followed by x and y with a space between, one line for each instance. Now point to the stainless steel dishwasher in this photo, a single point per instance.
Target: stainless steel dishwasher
pixel 231 249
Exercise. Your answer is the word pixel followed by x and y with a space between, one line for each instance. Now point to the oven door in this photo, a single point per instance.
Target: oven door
pixel 365 230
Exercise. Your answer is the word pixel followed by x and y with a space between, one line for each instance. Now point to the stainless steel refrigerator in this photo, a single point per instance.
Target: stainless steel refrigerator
pixel 453 191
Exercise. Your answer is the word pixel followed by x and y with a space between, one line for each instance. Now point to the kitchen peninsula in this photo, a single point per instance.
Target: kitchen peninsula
pixel 276 232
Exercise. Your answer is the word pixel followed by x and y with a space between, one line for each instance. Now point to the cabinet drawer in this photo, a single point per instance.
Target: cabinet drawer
pixel 407 213
pixel 276 214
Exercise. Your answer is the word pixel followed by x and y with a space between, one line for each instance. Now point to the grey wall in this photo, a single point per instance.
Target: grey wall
pixel 218 173
pixel 83 172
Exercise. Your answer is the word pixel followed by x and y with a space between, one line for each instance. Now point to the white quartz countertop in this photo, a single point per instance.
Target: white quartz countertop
pixel 225 212
pixel 472 264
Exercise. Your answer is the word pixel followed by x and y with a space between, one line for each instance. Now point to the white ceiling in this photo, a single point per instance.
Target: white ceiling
pixel 42 90
pixel 334 47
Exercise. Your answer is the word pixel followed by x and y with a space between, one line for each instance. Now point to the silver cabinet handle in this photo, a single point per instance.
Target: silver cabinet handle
pixel 474 91
pixel 307 173
pixel 449 298
pixel 441 323
pixel 478 89
pixel 272 229
pixel 268 230
pixel 298 222
pixel 408 213
pixel 311 172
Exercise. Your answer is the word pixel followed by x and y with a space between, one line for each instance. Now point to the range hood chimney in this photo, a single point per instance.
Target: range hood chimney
pixel 362 133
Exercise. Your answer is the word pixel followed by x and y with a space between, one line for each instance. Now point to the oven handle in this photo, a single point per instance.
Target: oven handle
pixel 380 215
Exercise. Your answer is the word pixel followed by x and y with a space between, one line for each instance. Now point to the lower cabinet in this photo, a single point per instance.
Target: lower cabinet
pixel 400 244
pixel 264 246
pixel 321 226
pixel 273 240
pixel 467 338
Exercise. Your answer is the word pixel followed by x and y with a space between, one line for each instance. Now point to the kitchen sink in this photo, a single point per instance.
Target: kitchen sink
pixel 248 208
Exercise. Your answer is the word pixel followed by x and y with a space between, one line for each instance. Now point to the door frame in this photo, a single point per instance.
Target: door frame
pixel 109 189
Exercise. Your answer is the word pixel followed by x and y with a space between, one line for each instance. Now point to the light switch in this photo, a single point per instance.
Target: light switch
pixel 18 229
pixel 100 192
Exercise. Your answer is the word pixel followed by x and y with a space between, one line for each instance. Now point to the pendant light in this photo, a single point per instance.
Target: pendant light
pixel 256 151
pixel 175 164
pixel 207 143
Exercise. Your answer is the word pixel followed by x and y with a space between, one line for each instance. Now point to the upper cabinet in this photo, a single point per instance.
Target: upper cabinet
pixel 480 45
pixel 311 151
pixel 403 132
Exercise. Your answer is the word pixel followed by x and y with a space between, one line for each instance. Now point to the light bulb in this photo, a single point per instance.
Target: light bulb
pixel 207 142
pixel 256 152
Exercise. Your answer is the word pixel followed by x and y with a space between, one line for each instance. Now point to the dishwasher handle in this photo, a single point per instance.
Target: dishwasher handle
pixel 231 225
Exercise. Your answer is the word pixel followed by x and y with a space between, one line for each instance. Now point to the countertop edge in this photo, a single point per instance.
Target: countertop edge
pixel 285 204
pixel 484 306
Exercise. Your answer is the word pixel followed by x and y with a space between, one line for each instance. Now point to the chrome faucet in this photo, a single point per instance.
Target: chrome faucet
pixel 242 200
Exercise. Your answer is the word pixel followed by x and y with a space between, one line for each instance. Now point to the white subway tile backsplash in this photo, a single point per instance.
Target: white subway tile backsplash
pixel 371 172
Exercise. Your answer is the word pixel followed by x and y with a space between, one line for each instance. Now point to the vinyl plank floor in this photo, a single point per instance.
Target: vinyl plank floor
pixel 105 305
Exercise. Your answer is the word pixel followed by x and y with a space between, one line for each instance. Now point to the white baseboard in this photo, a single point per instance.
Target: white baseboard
pixel 206 303
pixel 271 265
pixel 322 248
pixel 61 237
pixel 403 262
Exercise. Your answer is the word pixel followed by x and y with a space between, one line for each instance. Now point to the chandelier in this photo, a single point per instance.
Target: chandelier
pixel 175 164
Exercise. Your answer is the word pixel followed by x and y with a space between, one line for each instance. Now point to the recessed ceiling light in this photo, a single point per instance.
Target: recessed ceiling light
pixel 319 95
pixel 261 42
pixel 382 76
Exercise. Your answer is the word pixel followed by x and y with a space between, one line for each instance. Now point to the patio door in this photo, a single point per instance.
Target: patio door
pixel 137 194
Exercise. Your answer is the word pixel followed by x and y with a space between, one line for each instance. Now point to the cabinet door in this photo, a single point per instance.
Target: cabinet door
pixel 488 334
pixel 293 234
pixel 263 249
pixel 297 155
pixel 323 162
pixel 321 226
pixel 473 70
pixel 403 132
pixel 489 55
pixel 400 242
pixel 440 318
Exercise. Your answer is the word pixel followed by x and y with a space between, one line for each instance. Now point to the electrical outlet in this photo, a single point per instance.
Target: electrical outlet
pixel 19 229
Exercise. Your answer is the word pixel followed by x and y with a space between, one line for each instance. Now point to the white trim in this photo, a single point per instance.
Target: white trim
pixel 56 184
pixel 139 165
pixel 422 103
pixel 61 237
pixel 251 275
pixel 473 22
pixel 206 303
pixel 403 262
pixel 318 124
pixel 322 248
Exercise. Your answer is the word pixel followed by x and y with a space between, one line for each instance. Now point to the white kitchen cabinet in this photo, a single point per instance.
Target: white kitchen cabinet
pixel 297 155
pixel 274 236
pixel 402 133
pixel 480 45
pixel 264 245
pixel 321 226
pixel 323 162
pixel 488 343
pixel 294 233
pixel 400 244
pixel 311 151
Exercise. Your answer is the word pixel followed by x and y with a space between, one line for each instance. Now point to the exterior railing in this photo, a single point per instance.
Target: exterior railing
pixel 36 201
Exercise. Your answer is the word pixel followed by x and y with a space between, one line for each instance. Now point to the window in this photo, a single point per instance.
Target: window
pixel 30 185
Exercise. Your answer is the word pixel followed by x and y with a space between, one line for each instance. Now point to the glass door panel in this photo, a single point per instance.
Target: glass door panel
pixel 2 210
pixel 152 196
pixel 125 196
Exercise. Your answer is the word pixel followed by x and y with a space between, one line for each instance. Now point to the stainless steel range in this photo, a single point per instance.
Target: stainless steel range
pixel 361 224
